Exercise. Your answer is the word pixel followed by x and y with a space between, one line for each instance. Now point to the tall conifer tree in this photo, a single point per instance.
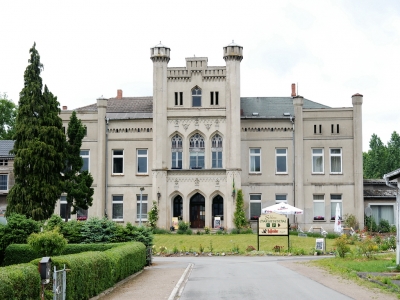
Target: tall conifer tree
pixel 77 183
pixel 38 149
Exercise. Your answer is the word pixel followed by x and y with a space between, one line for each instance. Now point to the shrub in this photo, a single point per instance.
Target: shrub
pixel 239 218
pixel 384 226
pixel 20 282
pixel 160 231
pixel 153 215
pixel 350 221
pixel 207 230
pixel 47 243
pixel 367 247
pixel 71 230
pixel 341 244
pixel 53 222
pixel 97 230
pixel 371 224
pixel 183 228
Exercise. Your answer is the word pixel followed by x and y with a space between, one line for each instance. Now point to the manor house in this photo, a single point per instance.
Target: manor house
pixel 196 142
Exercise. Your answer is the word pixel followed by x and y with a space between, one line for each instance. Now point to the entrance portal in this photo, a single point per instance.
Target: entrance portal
pixel 197 211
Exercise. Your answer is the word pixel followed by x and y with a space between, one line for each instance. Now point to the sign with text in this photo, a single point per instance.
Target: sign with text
pixel 273 224
pixel 319 244
pixel 175 222
pixel 217 222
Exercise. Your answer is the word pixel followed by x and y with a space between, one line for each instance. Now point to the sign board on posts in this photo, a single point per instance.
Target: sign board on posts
pixel 217 222
pixel 319 244
pixel 272 224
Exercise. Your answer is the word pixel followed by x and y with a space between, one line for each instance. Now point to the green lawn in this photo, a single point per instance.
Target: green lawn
pixel 228 243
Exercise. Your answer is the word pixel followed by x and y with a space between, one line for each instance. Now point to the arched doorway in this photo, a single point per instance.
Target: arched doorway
pixel 177 207
pixel 218 208
pixel 197 211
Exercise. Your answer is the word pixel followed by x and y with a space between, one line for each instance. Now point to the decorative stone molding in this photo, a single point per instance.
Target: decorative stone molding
pixel 129 130
pixel 266 129
pixel 208 126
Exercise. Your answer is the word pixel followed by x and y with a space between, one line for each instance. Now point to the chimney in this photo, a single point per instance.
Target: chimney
pixel 65 107
pixel 293 90
pixel 119 94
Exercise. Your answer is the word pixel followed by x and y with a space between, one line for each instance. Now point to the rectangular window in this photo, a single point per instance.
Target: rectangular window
pixel 383 212
pixel 118 161
pixel 3 162
pixel 85 130
pixel 176 160
pixel 217 159
pixel 176 98
pixel 319 127
pixel 118 207
pixel 85 157
pixel 281 160
pixel 337 128
pixel 336 199
pixel 255 206
pixel 3 182
pixel 336 160
pixel 180 98
pixel 255 160
pixel 144 207
pixel 319 207
pixel 196 160
pixel 216 98
pixel 332 130
pixel 212 98
pixel 318 161
pixel 142 161
pixel 280 198
pixel 63 208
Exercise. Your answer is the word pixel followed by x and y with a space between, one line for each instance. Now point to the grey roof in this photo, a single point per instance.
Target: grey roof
pixel 124 105
pixel 5 147
pixel 273 107
pixel 142 107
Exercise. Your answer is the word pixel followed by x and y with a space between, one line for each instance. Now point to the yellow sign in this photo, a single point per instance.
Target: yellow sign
pixel 175 222
pixel 272 224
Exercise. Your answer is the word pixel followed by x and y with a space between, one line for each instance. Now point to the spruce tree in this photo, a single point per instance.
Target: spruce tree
pixel 77 183
pixel 38 148
pixel 239 218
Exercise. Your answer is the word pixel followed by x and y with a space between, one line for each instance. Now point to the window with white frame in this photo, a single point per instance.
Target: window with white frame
pixel 63 208
pixel 85 158
pixel 255 160
pixel 216 151
pixel 196 151
pixel 318 160
pixel 196 97
pixel 142 161
pixel 255 206
pixel 335 200
pixel 336 160
pixel 118 161
pixel 319 207
pixel 383 212
pixel 144 207
pixel 177 150
pixel 281 160
pixel 280 198
pixel 3 182
pixel 118 207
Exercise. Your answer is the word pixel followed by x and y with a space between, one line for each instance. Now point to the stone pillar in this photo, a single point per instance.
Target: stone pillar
pixel 357 100
pixel 160 57
pixel 298 102
pixel 101 158
pixel 233 55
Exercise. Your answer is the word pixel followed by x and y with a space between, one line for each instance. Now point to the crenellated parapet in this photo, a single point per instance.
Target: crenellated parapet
pixel 233 52
pixel 160 53
pixel 196 66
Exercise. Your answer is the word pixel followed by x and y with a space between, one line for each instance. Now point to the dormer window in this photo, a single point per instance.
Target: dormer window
pixel 196 97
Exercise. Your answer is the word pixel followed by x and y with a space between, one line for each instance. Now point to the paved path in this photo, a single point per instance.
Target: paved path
pixel 238 277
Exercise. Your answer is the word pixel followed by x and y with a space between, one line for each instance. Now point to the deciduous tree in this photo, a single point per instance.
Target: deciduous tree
pixel 8 114
pixel 38 148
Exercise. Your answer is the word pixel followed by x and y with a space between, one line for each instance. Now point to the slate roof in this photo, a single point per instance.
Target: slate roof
pixel 272 107
pixel 142 107
pixel 5 147
pixel 377 188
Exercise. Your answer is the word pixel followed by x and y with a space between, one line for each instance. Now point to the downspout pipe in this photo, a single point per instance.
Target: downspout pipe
pixel 106 177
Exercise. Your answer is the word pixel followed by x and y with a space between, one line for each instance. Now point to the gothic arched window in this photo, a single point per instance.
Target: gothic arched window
pixel 196 97
pixel 216 152
pixel 176 148
pixel 196 150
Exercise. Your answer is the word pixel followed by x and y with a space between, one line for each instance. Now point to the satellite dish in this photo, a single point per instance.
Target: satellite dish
pixel 368 211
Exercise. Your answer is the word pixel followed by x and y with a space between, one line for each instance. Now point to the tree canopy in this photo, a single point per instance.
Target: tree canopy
pixel 381 159
pixel 8 115
pixel 77 182
pixel 38 148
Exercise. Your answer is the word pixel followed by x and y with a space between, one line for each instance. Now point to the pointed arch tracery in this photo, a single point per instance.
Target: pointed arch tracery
pixel 196 97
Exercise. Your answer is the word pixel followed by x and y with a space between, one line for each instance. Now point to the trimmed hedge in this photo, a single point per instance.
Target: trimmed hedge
pixel 93 272
pixel 20 282
pixel 23 253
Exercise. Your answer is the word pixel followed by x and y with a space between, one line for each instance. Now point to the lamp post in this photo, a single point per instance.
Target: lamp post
pixel 140 206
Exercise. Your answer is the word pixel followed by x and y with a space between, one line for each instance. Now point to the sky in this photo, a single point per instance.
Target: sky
pixel 330 49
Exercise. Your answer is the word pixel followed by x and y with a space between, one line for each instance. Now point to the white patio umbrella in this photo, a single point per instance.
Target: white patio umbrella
pixel 338 222
pixel 282 208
